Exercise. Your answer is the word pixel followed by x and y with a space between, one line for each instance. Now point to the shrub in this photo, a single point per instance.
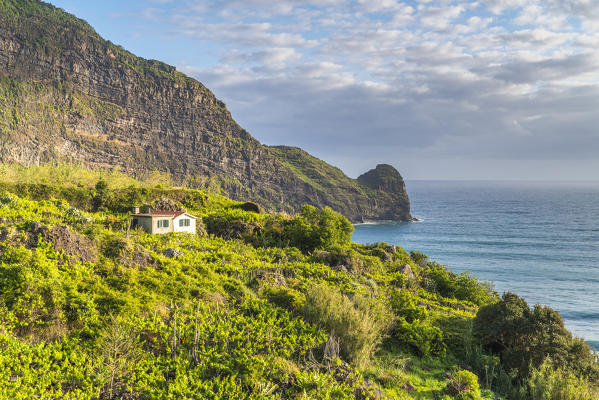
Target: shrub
pixel 359 324
pixel 412 329
pixel 547 383
pixel 462 287
pixel 421 336
pixel 284 297
pixel 464 386
pixel 404 306
pixel 341 255
pixel 419 258
pixel 315 228
pixel 113 246
pixel 75 216
pixel 524 337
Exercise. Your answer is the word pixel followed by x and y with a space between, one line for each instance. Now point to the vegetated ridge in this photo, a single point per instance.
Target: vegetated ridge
pixel 254 306
pixel 68 95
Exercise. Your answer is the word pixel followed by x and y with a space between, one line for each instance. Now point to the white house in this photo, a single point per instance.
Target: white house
pixel 155 221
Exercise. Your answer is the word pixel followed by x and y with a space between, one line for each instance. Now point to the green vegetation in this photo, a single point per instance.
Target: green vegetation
pixel 382 185
pixel 257 306
pixel 312 170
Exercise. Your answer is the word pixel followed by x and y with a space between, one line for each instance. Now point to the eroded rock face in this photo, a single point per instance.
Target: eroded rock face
pixel 391 201
pixel 72 96
pixel 65 240
pixel 165 204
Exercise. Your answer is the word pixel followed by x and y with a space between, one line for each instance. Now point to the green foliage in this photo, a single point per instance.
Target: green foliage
pixel 113 246
pixel 360 324
pixel 419 258
pixel 288 298
pixel 243 314
pixel 29 370
pixel 413 328
pixel 463 286
pixel 315 228
pixel 101 186
pixel 524 338
pixel 549 383
pixel 464 386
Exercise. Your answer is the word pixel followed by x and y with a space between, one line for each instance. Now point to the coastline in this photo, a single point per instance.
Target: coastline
pixel 536 240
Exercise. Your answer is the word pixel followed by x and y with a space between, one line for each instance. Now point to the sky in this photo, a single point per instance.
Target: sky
pixel 440 89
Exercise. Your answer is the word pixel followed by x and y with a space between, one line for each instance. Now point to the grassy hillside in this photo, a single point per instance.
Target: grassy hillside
pixel 256 306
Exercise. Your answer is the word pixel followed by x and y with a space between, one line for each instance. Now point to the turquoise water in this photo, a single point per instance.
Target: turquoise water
pixel 539 240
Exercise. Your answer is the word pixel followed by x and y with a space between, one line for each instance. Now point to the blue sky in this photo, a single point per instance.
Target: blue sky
pixel 489 89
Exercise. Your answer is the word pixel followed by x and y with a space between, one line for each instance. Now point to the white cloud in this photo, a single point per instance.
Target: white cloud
pixel 503 79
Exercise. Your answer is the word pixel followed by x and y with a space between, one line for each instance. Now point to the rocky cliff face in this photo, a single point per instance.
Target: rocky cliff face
pixel 68 95
pixel 390 200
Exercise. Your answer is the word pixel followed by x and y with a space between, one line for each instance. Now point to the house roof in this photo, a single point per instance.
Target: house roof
pixel 158 213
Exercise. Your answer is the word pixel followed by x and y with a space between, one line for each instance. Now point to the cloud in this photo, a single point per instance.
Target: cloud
pixel 360 82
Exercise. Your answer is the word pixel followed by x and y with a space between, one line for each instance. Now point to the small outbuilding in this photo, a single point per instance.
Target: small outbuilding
pixel 158 221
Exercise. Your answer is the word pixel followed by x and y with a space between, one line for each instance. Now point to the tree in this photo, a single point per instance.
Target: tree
pixel 101 190
pixel 524 337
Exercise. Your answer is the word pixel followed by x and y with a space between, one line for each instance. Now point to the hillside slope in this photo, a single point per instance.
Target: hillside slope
pixel 66 94
pixel 254 306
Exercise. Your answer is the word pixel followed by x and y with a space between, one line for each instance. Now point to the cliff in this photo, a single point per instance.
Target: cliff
pixel 66 94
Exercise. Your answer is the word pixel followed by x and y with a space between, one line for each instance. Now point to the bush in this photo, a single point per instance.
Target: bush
pixel 464 386
pixel 315 228
pixel 419 258
pixel 524 338
pixel 113 246
pixel 340 255
pixel 359 324
pixel 547 383
pixel 412 329
pixel 284 297
pixel 462 287
pixel 426 339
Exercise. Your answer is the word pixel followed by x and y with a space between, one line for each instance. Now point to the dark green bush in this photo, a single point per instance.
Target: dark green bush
pixel 419 258
pixel 525 337
pixel 464 286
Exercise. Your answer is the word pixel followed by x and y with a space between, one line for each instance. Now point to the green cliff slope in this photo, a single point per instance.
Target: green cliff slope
pixel 66 94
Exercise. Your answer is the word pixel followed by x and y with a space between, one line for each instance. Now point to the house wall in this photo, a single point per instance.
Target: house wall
pixel 150 224
pixel 188 229
pixel 145 223
pixel 156 229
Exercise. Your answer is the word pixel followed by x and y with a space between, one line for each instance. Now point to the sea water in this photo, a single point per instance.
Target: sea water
pixel 537 239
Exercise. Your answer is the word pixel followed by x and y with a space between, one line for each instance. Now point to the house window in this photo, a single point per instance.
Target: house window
pixel 184 222
pixel 163 223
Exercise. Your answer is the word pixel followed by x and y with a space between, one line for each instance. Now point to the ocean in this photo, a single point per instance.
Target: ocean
pixel 537 239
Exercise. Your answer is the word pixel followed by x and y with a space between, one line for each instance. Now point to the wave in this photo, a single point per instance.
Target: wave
pixel 382 222
pixel 580 315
